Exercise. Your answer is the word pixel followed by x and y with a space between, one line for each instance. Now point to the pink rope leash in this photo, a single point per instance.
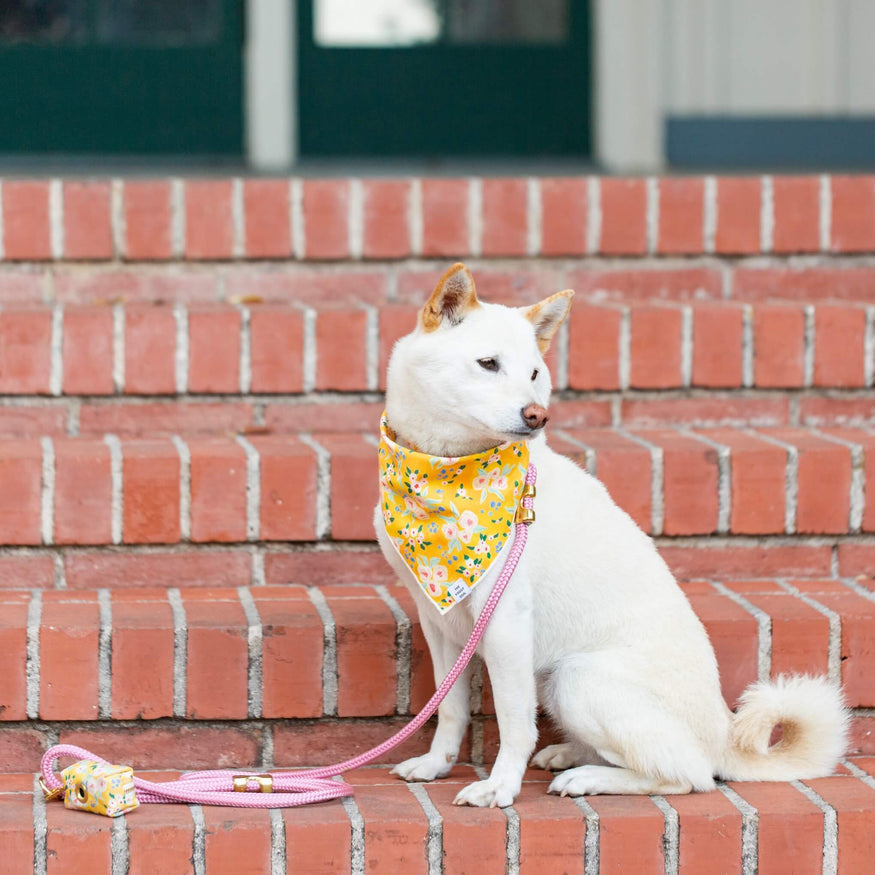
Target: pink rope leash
pixel 308 785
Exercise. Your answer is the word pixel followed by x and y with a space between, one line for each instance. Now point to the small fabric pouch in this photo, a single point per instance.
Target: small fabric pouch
pixel 101 788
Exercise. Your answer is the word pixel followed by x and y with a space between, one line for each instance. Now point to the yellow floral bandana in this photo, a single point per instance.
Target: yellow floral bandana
pixel 449 518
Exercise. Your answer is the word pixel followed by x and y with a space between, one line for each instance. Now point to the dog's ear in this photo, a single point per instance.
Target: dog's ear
pixel 548 315
pixel 453 297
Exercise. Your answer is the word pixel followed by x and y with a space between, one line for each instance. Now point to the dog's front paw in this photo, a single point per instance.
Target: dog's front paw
pixel 556 757
pixel 425 768
pixel 486 794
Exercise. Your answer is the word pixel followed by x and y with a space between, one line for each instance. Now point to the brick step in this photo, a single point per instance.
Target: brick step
pixel 206 416
pixel 812 826
pixel 323 487
pixel 308 653
pixel 142 349
pixel 351 219
pixel 324 563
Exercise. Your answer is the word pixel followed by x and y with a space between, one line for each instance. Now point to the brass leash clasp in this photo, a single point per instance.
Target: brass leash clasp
pixel 241 783
pixel 48 794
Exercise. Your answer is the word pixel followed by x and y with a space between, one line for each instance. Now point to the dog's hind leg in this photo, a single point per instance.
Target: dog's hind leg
pixel 558 757
pixel 596 701
pixel 454 714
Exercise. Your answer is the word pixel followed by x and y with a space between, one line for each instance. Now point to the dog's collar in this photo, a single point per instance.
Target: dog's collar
pixel 449 517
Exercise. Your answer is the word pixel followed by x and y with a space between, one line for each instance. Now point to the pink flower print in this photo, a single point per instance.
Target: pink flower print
pixel 415 508
pixel 467 520
pixel 500 483
pixel 465 535
pixel 420 537
pixel 433 576
pixel 419 485
pixel 460 492
pixel 481 483
pixel 492 459
pixel 450 531
pixel 495 473
pixel 481 548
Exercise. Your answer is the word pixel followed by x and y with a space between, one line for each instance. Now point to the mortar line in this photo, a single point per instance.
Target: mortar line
pixel 750 821
pixel 184 487
pixel 119 846
pixel 40 829
pixel 177 217
pixel 56 218
pixel 834 657
pixel 767 213
pixel 198 840
pixel 657 510
pixel 116 464
pixel 475 216
pixel 180 314
pixel 253 488
pixel 357 835
pixel 180 653
pixel 277 843
pixel 724 477
pixel 118 349
pixel 238 219
pixel 671 834
pixel 245 349
pixel 32 656
pixel 355 219
pixel 857 490
pixel 830 827
pixel 764 629
pixel 709 214
pixel 117 218
pixel 47 491
pixel 435 841
pixel 591 839
pixel 56 362
pixel 104 656
pixel 255 638
pixel 323 486
pixel 329 654
pixel 534 217
pixel 512 841
pixel 791 478
pixel 403 649
pixel 593 215
pixel 825 212
pixel 415 218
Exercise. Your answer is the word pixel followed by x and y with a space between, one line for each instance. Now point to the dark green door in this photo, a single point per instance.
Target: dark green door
pixel 454 78
pixel 121 77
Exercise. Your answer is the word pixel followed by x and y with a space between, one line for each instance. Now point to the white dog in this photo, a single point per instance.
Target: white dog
pixel 592 625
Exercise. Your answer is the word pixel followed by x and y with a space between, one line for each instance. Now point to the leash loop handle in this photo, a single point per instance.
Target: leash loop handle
pixel 289 789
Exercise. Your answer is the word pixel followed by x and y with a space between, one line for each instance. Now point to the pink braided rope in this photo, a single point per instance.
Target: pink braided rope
pixel 308 785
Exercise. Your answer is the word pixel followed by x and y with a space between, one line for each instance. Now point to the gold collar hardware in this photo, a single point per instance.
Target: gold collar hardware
pixel 525 514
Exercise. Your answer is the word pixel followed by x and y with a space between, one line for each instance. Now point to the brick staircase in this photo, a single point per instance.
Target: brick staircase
pixel 191 374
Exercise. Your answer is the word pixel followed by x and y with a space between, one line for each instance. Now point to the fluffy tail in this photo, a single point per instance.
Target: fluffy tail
pixel 814 720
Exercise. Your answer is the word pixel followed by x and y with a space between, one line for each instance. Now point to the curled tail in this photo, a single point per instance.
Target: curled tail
pixel 814 720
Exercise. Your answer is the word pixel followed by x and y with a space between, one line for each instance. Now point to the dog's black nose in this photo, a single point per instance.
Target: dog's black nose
pixel 534 416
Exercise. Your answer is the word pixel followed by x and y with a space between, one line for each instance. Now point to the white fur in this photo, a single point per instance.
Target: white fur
pixel 592 626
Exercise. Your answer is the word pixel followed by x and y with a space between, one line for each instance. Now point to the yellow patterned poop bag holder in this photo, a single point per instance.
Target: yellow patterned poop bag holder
pixel 101 788
pixel 449 518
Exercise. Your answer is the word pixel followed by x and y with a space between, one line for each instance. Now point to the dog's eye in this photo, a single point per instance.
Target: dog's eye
pixel 534 375
pixel 488 364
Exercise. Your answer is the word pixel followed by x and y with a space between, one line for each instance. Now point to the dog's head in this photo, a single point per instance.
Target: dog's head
pixel 472 375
